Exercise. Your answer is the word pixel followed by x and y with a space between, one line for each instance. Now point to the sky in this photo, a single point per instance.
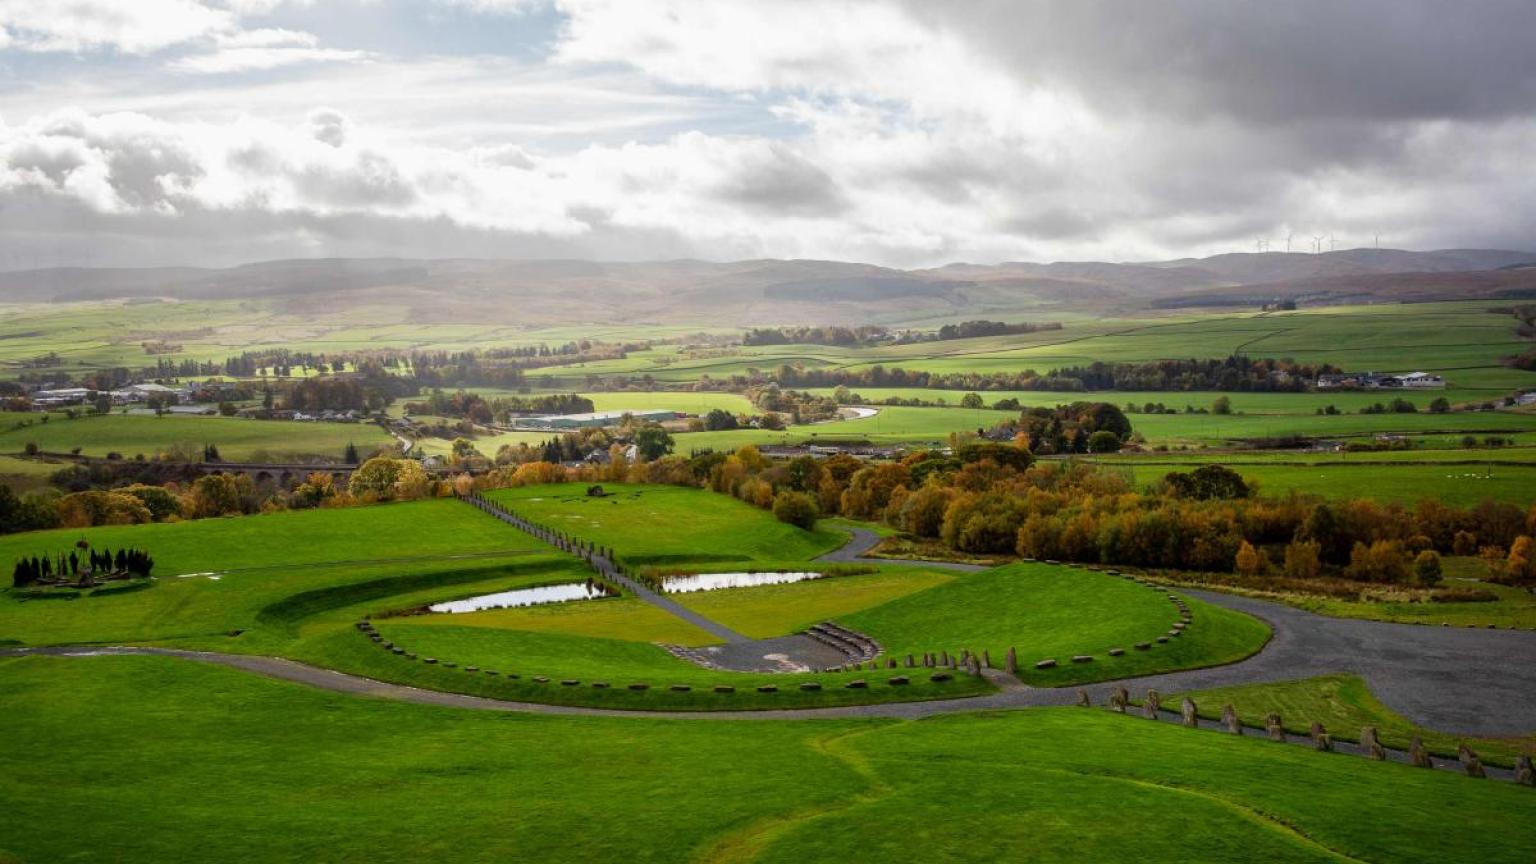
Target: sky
pixel 906 134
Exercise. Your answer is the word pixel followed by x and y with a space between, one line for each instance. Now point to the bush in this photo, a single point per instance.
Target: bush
pixel 795 508
pixel 1103 441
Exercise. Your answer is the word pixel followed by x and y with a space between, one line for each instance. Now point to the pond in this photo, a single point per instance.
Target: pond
pixel 714 581
pixel 523 597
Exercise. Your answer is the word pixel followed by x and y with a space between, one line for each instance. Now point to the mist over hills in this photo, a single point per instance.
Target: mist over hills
pixel 740 293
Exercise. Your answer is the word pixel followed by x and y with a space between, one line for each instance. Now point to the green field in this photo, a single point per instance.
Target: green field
pixel 270 771
pixel 1343 704
pixel 238 439
pixel 1055 612
pixel 667 524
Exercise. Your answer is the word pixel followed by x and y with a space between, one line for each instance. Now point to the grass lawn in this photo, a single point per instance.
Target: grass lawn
pixel 270 771
pixel 1343 704
pixel 624 618
pixel 262 560
pixel 774 610
pixel 238 439
pixel 1057 612
pixel 667 524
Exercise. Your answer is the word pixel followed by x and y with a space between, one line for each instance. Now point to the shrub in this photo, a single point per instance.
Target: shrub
pixel 795 508
pixel 1103 441
pixel 1426 567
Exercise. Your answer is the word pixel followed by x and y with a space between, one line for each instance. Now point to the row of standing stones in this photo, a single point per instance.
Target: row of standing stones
pixel 1368 746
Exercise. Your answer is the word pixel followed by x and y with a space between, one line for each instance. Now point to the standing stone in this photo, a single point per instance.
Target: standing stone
pixel 927 660
pixel 953 663
pixel 1276 730
pixel 1012 667
pixel 1153 704
pixel 1082 699
pixel 1320 738
pixel 974 667
pixel 911 661
pixel 1470 761
pixel 1418 755
pixel 1229 720
pixel 944 659
pixel 1524 774
pixel 1370 745
pixel 986 658
pixel 1191 718
pixel 890 663
pixel 1119 699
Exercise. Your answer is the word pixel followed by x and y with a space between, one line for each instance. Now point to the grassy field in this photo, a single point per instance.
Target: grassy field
pixel 238 439
pixel 774 610
pixel 270 771
pixel 1343 704
pixel 667 524
pixel 1054 612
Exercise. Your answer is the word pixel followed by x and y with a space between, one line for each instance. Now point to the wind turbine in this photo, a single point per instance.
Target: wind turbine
pixel 1331 246
pixel 1288 241
pixel 1317 244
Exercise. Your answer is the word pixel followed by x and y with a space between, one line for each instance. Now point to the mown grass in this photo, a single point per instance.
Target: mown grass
pixel 1344 704
pixel 667 524
pixel 1057 612
pixel 272 771
pixel 774 610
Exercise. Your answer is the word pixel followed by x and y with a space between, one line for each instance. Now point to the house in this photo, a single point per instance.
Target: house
pixel 45 399
pixel 144 392
pixel 1420 381
pixel 1380 381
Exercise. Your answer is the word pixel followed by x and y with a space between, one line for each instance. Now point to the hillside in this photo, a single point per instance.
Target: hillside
pixel 791 291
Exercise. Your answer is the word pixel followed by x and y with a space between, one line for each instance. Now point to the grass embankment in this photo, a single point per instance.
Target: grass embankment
pixel 1343 704
pixel 1057 612
pixel 663 525
pixel 272 771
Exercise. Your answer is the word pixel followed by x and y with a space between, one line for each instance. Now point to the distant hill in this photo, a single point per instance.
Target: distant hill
pixel 795 291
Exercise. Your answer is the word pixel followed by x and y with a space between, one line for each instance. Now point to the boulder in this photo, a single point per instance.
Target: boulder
pixel 540 679
pixel 899 681
pixel 724 688
pixel 1370 745
pixel 1116 652
pixel 569 682
pixel 1143 646
pixel 767 688
pixel 810 686
pixel 1162 639
pixel 471 668
pixel 680 688
pixel 599 685
pixel 1045 664
pixel 861 684
pixel 1082 658
pixel 638 685
pixel 1187 709
pixel 941 676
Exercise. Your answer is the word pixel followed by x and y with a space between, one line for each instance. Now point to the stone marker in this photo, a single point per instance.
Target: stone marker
pixel 1321 740
pixel 1229 720
pixel 899 681
pixel 1369 745
pixel 639 686
pixel 1116 652
pixel 1082 699
pixel 767 688
pixel 680 688
pixel 1162 639
pixel 810 686
pixel 1187 708
pixel 1525 775
pixel 1153 703
pixel 911 661
pixel 973 668
pixel 1470 761
pixel 944 659
pixel 986 658
pixel 1082 658
pixel 1045 664
pixel 1143 646
pixel 1119 699
pixel 890 663
pixel 1417 755
pixel 724 688
pixel 940 676
pixel 1012 662
pixel 1276 730
pixel 860 684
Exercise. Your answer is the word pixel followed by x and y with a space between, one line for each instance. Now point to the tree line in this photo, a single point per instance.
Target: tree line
pixel 73 567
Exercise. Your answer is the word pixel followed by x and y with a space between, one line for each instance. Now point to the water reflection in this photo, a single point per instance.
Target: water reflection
pixel 714 581
pixel 523 597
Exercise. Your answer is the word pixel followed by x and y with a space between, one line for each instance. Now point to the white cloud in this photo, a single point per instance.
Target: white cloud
pixel 136 27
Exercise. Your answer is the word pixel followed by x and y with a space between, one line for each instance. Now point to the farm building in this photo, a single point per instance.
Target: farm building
pixel 595 418
pixel 1380 381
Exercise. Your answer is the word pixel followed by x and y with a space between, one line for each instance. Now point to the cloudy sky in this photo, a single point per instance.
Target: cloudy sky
pixel 214 132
